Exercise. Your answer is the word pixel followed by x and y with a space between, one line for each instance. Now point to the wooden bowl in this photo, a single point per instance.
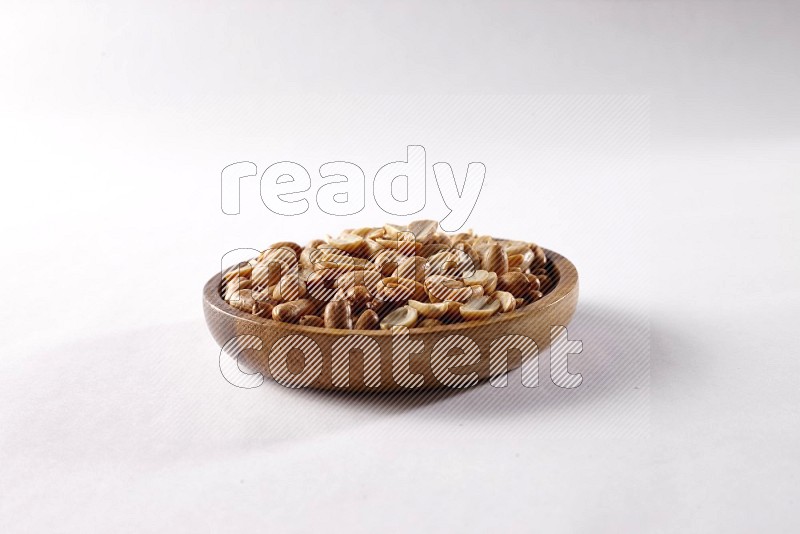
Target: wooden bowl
pixel 307 356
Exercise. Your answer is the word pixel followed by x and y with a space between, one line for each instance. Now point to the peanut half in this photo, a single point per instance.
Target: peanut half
pixel 402 316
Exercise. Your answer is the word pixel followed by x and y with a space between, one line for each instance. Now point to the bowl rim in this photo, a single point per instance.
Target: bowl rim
pixel 567 283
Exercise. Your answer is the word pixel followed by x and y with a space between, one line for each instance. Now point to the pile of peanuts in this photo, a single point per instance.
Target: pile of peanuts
pixel 394 275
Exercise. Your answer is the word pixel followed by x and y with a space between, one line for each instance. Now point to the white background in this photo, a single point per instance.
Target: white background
pixel 675 194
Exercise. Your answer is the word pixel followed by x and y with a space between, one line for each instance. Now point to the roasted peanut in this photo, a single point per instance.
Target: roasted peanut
pixel 321 285
pixel 264 295
pixel 540 260
pixel 403 247
pixel 507 301
pixel 536 283
pixel 442 288
pixel 396 289
pixel 515 247
pixel 423 230
pixel 452 262
pixel 368 320
pixel 515 283
pixel 263 308
pixel 336 260
pixel 475 258
pixel 393 275
pixel 462 237
pixel 414 268
pixel 528 258
pixel 515 261
pixel 243 270
pixel 478 308
pixel 485 279
pixel 273 264
pixel 288 244
pixel 368 279
pixel 402 316
pixel 338 314
pixel 236 284
pixel 242 299
pixel 430 249
pixel 373 247
pixel 440 239
pixel 290 287
pixel 358 297
pixel 495 259
pixel 305 259
pixel 387 261
pixel 350 243
pixel 403 242
pixel 291 312
pixel 376 233
pixel 392 231
pixel 435 310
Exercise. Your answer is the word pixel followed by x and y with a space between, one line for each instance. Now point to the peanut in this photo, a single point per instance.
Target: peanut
pixel 368 320
pixel 477 308
pixel 515 283
pixel 392 275
pixel 436 310
pixel 508 302
pixel 338 314
pixel 402 316
pixel 291 312
pixel 495 259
